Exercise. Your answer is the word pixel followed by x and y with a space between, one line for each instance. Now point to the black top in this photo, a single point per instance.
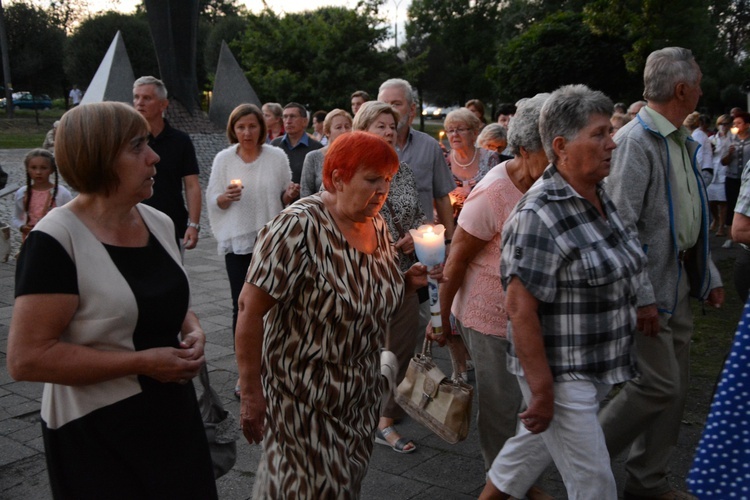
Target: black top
pixel 177 160
pixel 151 445
pixel 296 154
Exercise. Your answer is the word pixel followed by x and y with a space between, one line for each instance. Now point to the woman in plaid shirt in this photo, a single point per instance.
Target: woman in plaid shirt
pixel 570 269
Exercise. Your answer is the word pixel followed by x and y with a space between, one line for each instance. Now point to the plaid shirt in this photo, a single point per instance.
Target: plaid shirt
pixel 743 202
pixel 584 270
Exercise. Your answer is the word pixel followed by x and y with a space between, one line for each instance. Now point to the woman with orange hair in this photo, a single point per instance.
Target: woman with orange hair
pixel 325 277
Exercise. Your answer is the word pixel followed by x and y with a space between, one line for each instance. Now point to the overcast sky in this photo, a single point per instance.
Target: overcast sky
pixel 277 6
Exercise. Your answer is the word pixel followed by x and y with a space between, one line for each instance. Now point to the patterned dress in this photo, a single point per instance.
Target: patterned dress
pixel 321 364
pixel 487 160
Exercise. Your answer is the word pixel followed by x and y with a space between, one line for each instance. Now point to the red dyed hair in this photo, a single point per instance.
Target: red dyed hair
pixel 356 151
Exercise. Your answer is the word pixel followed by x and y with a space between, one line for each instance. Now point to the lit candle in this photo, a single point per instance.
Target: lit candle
pixel 236 182
pixel 429 243
pixel 735 130
pixel 441 134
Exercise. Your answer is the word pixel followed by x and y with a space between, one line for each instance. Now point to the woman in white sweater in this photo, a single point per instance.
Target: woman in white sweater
pixel 250 183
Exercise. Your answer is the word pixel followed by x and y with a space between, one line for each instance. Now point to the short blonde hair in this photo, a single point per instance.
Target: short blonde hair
pixel 89 139
pixel 328 122
pixel 465 117
pixel 692 121
pixel 369 112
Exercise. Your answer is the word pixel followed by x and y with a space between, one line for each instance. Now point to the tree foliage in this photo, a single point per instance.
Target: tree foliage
pixel 732 20
pixel 317 58
pixel 654 24
pixel 228 29
pixel 213 11
pixel 561 50
pixel 459 36
pixel 532 45
pixel 88 45
pixel 35 47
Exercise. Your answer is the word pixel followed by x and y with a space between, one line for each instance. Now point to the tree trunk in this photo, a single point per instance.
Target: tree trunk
pixel 6 65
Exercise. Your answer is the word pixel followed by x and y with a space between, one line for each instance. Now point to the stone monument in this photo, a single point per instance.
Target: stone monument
pixel 231 88
pixel 114 78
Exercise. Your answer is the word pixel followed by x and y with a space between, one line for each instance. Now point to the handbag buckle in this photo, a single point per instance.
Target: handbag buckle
pixel 427 389
pixel 426 398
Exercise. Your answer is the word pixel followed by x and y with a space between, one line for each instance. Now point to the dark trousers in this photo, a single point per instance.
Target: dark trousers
pixel 742 273
pixel 732 190
pixel 236 271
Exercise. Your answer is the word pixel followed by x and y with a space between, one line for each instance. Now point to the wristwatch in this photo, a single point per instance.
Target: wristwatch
pixel 196 226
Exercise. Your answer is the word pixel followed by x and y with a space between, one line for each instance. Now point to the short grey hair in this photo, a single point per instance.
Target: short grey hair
pixel 665 68
pixel 161 89
pixel 523 130
pixel 273 107
pixel 494 132
pixel 635 107
pixel 569 110
pixel 399 83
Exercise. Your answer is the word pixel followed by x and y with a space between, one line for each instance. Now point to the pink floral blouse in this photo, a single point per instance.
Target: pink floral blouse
pixel 480 302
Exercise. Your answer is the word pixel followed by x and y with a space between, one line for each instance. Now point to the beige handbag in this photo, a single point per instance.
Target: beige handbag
pixel 435 401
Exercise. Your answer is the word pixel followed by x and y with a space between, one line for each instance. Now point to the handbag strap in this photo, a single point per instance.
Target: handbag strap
pixel 203 377
pixel 427 353
pixel 427 348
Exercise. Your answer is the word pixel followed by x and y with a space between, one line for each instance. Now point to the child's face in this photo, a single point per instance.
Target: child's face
pixel 39 169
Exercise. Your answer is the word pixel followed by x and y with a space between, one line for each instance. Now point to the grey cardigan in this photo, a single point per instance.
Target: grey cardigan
pixel 640 183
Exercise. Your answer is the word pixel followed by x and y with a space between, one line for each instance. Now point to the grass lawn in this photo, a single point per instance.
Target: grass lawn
pixel 712 339
pixel 23 131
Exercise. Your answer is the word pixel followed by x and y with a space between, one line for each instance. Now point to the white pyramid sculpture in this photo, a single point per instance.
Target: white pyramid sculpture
pixel 114 79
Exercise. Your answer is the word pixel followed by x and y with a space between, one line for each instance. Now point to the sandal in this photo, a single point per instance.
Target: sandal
pixel 399 446
pixel 237 391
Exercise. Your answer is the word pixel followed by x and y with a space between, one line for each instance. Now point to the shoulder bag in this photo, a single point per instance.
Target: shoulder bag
pixel 221 427
pixel 441 404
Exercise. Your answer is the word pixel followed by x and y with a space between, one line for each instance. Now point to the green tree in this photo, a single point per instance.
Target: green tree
pixel 654 24
pixel 715 30
pixel 88 44
pixel 228 29
pixel 68 13
pixel 316 58
pixel 215 10
pixel 561 50
pixel 35 46
pixel 732 18
pixel 460 36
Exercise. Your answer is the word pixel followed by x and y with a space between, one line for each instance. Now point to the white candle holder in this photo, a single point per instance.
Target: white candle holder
pixel 429 243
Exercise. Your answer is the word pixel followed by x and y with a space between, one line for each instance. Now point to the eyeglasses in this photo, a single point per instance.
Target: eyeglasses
pixel 453 131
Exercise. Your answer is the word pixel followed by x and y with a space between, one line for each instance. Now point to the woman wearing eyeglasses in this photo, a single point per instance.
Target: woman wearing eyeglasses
pixel 468 162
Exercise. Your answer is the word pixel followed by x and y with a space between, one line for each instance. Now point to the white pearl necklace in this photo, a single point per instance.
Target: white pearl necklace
pixel 462 165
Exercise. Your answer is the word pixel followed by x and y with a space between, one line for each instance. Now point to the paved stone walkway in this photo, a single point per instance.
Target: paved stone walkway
pixel 435 471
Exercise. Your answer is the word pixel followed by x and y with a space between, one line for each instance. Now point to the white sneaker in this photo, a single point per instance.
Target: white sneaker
pixel 727 244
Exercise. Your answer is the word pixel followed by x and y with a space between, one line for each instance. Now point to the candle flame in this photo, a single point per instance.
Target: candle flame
pixel 735 130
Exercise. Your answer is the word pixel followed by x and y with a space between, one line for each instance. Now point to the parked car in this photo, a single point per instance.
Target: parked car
pixel 25 100
pixel 437 112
